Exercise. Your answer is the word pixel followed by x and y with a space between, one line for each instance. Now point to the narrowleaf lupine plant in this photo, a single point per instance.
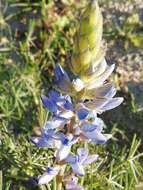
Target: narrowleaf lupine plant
pixel 76 104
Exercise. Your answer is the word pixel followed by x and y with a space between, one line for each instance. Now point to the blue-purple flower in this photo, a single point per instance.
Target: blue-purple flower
pixel 79 161
pixel 93 131
pixel 65 147
pixel 47 176
pixel 56 103
pixel 65 84
pixel 49 139
pixel 71 183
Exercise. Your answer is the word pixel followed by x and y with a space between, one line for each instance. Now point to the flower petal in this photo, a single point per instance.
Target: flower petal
pixel 98 70
pixel 96 103
pixel 72 185
pixel 39 141
pixel 63 152
pixel 82 113
pixel 52 170
pixel 88 127
pixel 68 105
pixel 33 180
pixel 114 102
pixel 91 159
pixel 60 73
pixel 99 123
pixel 48 176
pixel 78 169
pixel 106 91
pixel 71 159
pixel 93 133
pixel 62 80
pixel 55 122
pixel 54 95
pixel 95 81
pixel 50 105
pixel 82 153
pixel 42 142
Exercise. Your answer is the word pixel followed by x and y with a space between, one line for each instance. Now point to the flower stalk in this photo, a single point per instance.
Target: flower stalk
pixel 60 176
pixel 76 105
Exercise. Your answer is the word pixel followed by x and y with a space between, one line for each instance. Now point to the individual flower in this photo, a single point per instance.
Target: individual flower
pixel 71 183
pixel 56 103
pixel 58 121
pixel 93 131
pixel 79 161
pixel 48 139
pixel 65 84
pixel 65 147
pixel 48 175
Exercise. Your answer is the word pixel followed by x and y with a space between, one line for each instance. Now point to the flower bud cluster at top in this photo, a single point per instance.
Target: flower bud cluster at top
pixel 77 102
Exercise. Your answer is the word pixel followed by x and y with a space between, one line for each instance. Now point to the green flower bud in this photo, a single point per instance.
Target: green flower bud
pixel 88 41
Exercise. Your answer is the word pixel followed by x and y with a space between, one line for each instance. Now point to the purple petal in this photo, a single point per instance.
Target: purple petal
pixel 55 122
pixel 88 127
pixel 99 123
pixel 42 142
pixel 82 113
pixel 68 105
pixel 63 139
pixel 114 102
pixel 82 153
pixel 96 137
pixel 91 159
pixel 97 81
pixel 48 139
pixel 75 187
pixel 96 103
pixel 48 176
pixel 74 180
pixel 50 105
pixel 73 140
pixel 39 141
pixel 63 152
pixel 71 159
pixel 33 180
pixel 72 185
pixel 52 170
pixel 54 95
pixel 60 73
pixel 107 91
pixel 78 169
pixel 67 140
pixel 62 80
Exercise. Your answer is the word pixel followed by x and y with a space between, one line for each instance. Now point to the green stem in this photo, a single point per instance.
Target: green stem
pixel 55 184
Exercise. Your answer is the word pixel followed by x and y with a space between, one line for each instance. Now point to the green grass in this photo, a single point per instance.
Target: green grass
pixel 31 42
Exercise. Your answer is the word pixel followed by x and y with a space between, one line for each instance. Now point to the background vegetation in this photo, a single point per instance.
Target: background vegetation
pixel 34 35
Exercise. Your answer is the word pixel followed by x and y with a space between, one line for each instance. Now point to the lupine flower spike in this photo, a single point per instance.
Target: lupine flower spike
pixel 76 104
